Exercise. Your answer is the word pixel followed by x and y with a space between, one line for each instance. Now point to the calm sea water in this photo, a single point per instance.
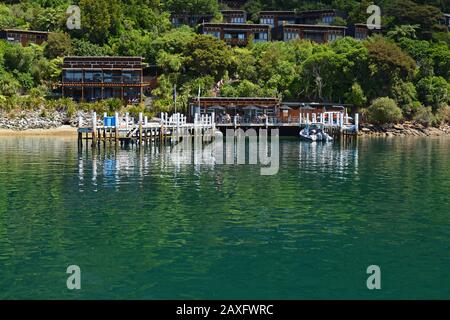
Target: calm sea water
pixel 145 225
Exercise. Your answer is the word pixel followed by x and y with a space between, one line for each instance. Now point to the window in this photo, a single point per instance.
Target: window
pixel 73 76
pixel 213 33
pixel 327 19
pixel 334 36
pixel 131 76
pixel 291 36
pixel 112 76
pixel 241 36
pixel 237 20
pixel 268 21
pixel 93 76
pixel 261 37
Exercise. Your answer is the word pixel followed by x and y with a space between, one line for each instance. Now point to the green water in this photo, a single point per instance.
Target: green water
pixel 143 225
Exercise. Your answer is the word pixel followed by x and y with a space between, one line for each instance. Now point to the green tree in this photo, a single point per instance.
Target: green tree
pixel 207 55
pixel 58 44
pixel 433 92
pixel 383 111
pixel 100 19
pixel 387 65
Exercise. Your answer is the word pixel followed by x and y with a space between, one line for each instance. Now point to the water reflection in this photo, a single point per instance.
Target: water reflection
pixel 150 223
pixel 111 166
pixel 329 157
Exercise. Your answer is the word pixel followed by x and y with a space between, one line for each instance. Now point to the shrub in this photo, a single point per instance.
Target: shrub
pixel 114 104
pixel 425 116
pixel 384 110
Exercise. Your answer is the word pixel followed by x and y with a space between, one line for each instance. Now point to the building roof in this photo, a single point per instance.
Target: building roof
pixel 236 25
pixel 317 26
pixel 26 31
pixel 103 58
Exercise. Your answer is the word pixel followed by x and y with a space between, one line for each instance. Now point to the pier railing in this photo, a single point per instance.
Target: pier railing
pixel 126 129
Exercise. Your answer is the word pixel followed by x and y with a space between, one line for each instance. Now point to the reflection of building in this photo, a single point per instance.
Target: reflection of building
pixel 237 33
pixel 316 33
pixel 96 78
pixel 24 37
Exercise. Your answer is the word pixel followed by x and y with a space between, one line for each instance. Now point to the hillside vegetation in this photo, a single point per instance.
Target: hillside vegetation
pixel 409 65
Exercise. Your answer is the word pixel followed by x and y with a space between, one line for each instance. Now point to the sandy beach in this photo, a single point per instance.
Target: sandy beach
pixel 60 131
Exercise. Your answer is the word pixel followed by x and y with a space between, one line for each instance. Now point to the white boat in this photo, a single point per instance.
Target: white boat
pixel 315 132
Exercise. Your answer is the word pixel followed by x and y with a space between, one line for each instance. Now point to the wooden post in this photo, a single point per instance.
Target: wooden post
pixel 140 128
pixel 307 118
pixel 357 122
pixel 127 118
pixel 94 128
pixel 116 129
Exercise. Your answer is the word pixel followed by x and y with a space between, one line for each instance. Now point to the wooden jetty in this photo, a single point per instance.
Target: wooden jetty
pixel 124 130
pixel 337 124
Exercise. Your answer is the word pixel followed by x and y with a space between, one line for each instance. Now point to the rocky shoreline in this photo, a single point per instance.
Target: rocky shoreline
pixel 403 130
pixel 29 120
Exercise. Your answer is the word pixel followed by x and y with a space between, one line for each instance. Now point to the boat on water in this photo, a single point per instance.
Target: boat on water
pixel 315 132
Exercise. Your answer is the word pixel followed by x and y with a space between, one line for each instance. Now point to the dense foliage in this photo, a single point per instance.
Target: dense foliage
pixel 409 65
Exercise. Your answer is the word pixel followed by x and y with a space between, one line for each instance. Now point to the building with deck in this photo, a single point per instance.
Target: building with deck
pixel 95 78
pixel 276 19
pixel 360 31
pixel 316 33
pixel 447 19
pixel 189 19
pixel 237 33
pixel 234 16
pixel 235 4
pixel 24 37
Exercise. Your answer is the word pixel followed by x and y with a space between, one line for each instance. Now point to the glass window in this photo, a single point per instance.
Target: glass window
pixel 131 76
pixel 237 20
pixel 268 21
pixel 112 76
pixel 327 19
pixel 73 76
pixel 213 33
pixel 93 76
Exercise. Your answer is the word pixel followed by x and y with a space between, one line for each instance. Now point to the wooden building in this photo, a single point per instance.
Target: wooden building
pixel 189 19
pixel 447 19
pixel 276 19
pixel 316 33
pixel 246 108
pixel 237 33
pixel 360 31
pixel 24 37
pixel 95 78
pixel 234 16
pixel 235 4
